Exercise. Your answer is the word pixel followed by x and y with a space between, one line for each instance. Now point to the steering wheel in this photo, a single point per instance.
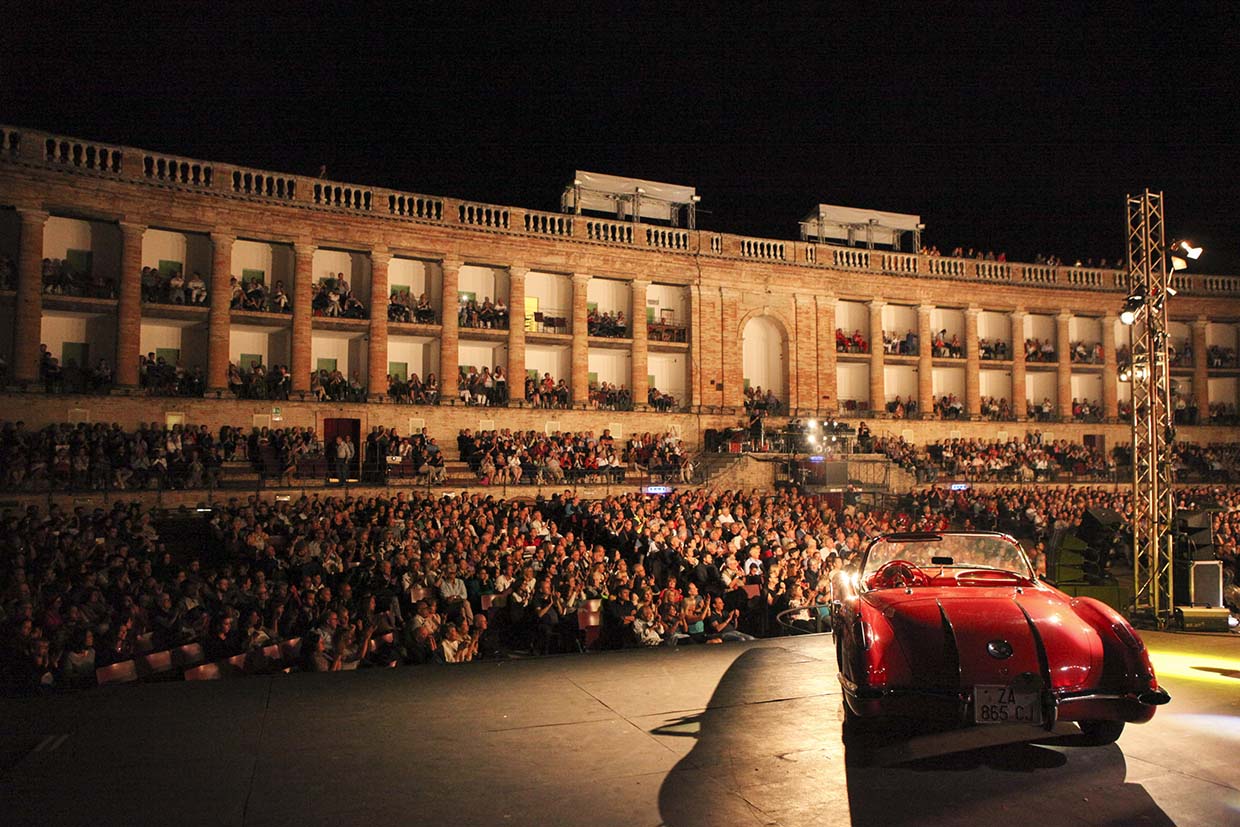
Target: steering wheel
pixel 896 573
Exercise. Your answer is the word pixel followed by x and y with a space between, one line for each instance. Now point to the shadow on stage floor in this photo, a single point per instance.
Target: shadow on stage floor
pixel 952 781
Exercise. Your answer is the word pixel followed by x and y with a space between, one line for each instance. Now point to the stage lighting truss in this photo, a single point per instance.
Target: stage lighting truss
pixel 1145 313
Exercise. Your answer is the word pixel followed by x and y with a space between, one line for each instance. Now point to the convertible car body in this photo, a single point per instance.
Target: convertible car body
pixel 957 627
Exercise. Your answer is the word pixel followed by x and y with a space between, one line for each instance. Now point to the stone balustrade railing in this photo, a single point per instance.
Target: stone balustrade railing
pixel 34 148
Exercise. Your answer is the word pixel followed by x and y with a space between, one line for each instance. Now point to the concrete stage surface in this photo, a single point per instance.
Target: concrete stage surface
pixel 722 735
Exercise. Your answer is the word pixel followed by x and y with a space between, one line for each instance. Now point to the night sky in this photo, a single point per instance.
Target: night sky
pixel 1005 127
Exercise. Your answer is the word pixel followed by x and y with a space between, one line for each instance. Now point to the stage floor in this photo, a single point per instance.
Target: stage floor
pixel 720 735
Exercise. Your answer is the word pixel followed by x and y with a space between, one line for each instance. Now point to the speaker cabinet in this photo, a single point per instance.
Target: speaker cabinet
pixel 1207 583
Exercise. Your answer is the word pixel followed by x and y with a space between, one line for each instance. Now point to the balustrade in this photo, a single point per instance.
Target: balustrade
pixel 994 271
pixel 83 155
pixel 1078 277
pixel 850 257
pixel 716 244
pixel 667 239
pixel 1038 274
pixel 951 267
pixel 482 215
pixel 415 206
pixel 761 248
pixel 609 231
pixel 177 170
pixel 811 254
pixel 898 263
pixel 335 195
pixel 548 224
pixel 246 182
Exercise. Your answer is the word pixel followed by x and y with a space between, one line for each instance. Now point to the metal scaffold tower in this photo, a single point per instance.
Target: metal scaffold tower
pixel 1152 415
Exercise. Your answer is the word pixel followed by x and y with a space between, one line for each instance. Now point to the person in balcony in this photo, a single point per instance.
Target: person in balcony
pixel 333 300
pixel 197 289
pixel 236 296
pixel 279 301
pixel 398 308
pixel 149 280
pixel 423 312
pixel 176 288
pixel 501 313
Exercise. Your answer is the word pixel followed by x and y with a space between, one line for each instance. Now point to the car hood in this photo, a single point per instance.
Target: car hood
pixel 944 635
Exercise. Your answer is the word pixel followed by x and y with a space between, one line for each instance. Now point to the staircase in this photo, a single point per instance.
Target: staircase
pixel 709 465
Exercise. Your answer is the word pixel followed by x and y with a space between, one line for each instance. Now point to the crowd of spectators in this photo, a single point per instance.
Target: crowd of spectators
pixel 764 402
pixel 901 408
pixel 996 349
pixel 404 308
pixel 1014 460
pixel 334 298
pixel 607 396
pixel 659 401
pixel 158 377
pixel 413 390
pixel 1218 356
pixel 62 278
pixel 607 324
pixel 906 345
pixel 947 346
pixel 172 287
pixel 252 295
pixel 997 409
pixel 72 377
pixel 332 386
pixel 1037 350
pixel 1086 353
pixel 856 343
pixel 401 579
pixel 100 457
pixel 547 392
pixel 483 387
pixel 1086 410
pixel 257 382
pixel 487 314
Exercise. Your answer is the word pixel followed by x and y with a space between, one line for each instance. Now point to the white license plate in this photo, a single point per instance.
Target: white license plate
pixel 1004 705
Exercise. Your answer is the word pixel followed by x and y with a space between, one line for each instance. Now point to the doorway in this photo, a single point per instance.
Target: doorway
pixel 349 429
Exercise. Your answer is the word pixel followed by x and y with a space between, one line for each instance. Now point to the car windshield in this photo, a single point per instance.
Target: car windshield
pixel 949 551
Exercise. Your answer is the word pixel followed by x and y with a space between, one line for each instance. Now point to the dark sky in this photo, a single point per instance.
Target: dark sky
pixel 1005 126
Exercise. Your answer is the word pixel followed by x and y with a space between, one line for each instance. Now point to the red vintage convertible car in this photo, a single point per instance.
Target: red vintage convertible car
pixel 957 627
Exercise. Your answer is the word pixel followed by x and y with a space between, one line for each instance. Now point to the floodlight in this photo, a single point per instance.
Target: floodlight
pixel 1193 252
pixel 1178 263
pixel 1132 304
pixel 1125 374
pixel 813 423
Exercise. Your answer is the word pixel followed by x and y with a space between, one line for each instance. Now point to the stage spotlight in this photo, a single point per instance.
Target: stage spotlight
pixel 1131 305
pixel 1193 252
pixel 813 424
pixel 1125 374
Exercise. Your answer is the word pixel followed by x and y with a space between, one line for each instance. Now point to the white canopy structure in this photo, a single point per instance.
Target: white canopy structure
pixel 630 199
pixel 857 227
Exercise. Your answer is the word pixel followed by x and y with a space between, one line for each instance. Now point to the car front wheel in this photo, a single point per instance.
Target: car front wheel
pixel 1100 733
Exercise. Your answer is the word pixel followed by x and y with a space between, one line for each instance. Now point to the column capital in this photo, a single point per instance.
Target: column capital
pixel 925 308
pixel 581 278
pixel 218 238
pixel 1018 311
pixel 876 304
pixel 380 255
pixel 304 247
pixel 452 263
pixel 803 300
pixel 30 215
pixel 1200 321
pixel 824 299
pixel 1110 318
pixel 643 284
pixel 132 228
pixel 517 269
pixel 973 310
pixel 1065 315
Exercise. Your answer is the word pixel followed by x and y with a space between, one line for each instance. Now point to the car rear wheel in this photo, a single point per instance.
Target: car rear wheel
pixel 1100 733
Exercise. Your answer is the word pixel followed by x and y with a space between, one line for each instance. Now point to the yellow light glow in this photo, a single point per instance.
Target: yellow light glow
pixel 1206 668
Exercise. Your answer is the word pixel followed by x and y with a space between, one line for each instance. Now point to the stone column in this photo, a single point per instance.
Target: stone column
pixel 878 385
pixel 1201 369
pixel 377 354
pixel 28 323
pixel 303 325
pixel 925 362
pixel 1110 370
pixel 700 389
pixel 639 358
pixel 516 335
pixel 972 364
pixel 219 321
pixel 581 342
pixel 828 384
pixel 1063 371
pixel 732 347
pixel 129 306
pixel 449 339
pixel 1019 402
